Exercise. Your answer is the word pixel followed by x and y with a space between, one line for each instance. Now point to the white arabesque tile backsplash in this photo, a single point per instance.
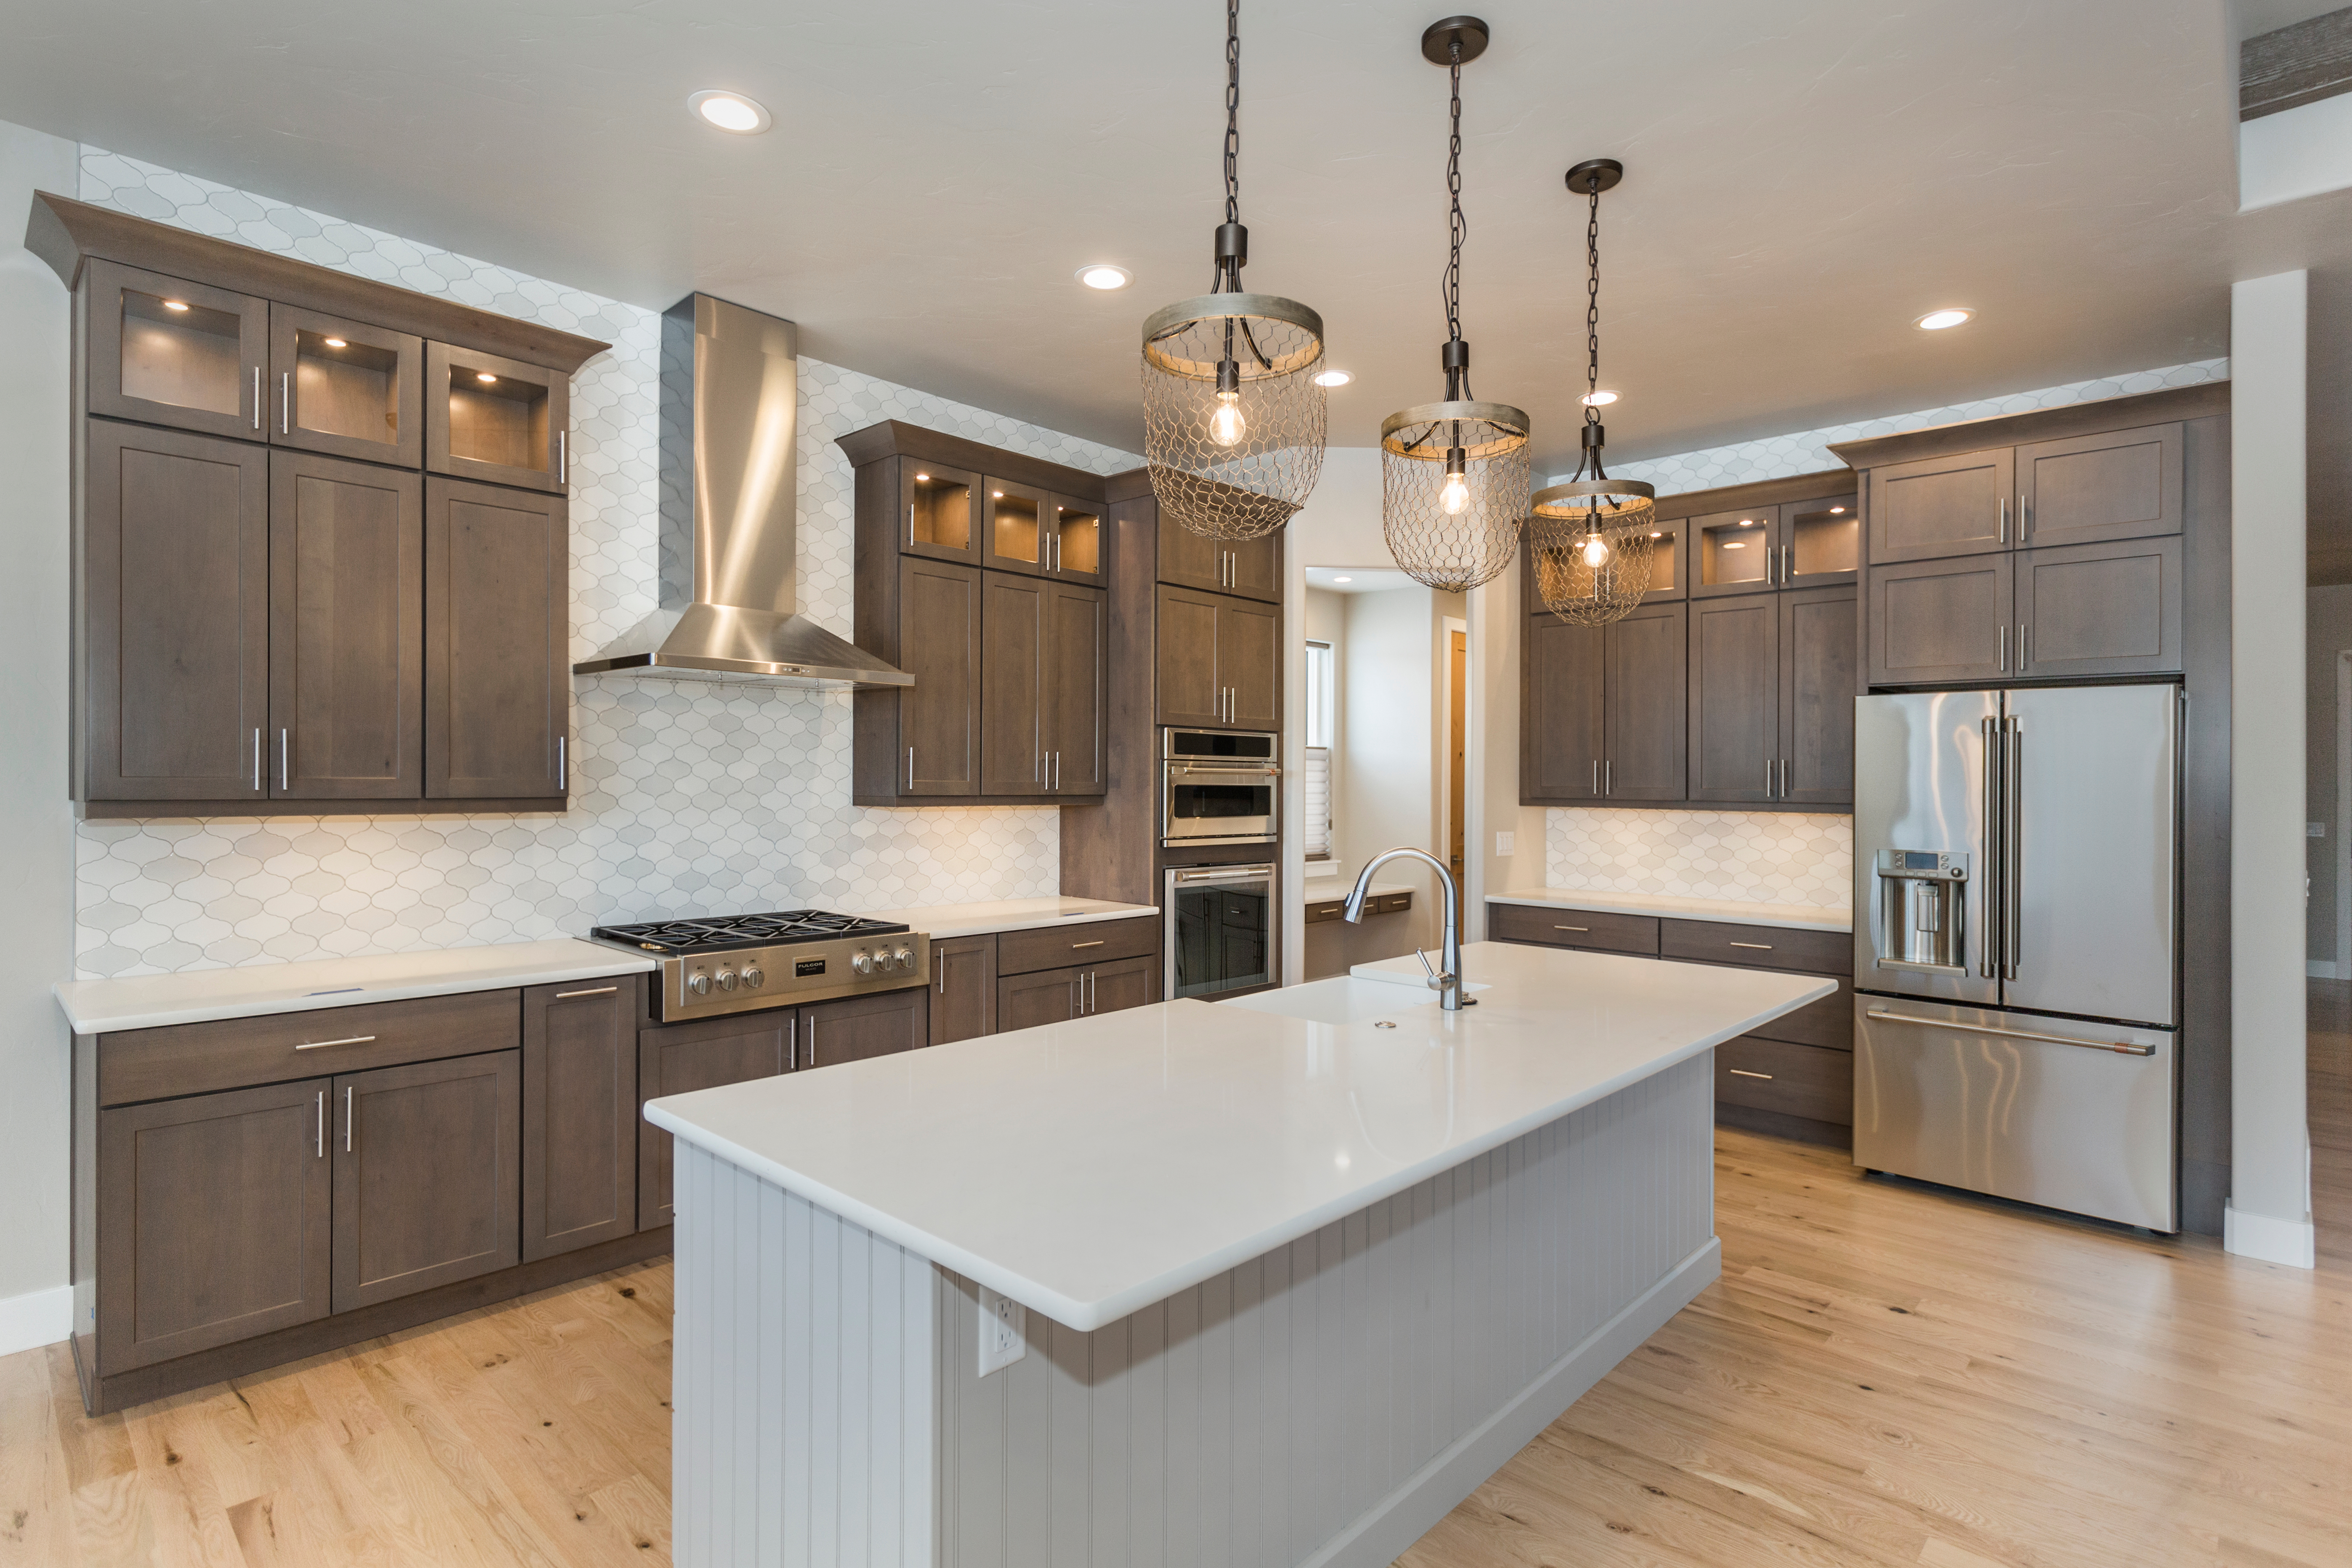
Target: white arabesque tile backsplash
pixel 1746 857
pixel 687 797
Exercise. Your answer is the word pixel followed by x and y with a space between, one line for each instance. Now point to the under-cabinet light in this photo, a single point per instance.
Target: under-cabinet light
pixel 1735 544
pixel 337 344
pixel 485 377
pixel 175 304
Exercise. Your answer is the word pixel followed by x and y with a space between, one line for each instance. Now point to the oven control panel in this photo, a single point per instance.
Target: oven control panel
pixel 753 978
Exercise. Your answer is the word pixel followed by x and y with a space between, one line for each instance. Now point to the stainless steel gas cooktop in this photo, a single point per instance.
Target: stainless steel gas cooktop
pixel 739 964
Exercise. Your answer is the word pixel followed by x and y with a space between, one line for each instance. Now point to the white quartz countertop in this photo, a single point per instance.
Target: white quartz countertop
pixel 1731 911
pixel 1090 1168
pixel 151 1001
pixel 938 920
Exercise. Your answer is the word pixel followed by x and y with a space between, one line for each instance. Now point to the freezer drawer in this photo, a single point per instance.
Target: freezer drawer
pixel 2043 1111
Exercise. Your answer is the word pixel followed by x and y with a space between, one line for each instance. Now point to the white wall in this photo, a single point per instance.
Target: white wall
pixel 2269 1197
pixel 37 894
pixel 1325 621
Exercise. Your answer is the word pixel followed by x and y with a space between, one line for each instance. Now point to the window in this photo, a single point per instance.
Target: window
pixel 1322 691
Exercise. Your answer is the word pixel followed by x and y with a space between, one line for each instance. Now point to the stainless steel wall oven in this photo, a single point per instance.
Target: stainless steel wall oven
pixel 1220 936
pixel 1222 787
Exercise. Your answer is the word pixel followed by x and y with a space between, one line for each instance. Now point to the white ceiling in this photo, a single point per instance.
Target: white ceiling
pixel 1802 181
pixel 1357 579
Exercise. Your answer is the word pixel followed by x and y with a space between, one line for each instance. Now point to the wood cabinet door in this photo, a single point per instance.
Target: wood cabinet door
pixel 1559 712
pixel 963 988
pixel 1735 699
pixel 940 645
pixel 1012 684
pixel 857 1027
pixel 1254 567
pixel 2099 609
pixel 346 631
pixel 496 420
pixel 1078 640
pixel 1015 527
pixel 1187 560
pixel 344 388
pixel 213 1216
pixel 1190 692
pixel 1116 987
pixel 1644 658
pixel 498 632
pixel 1249 663
pixel 427 1173
pixel 165 351
pixel 1941 622
pixel 1939 507
pixel 1080 543
pixel 578 1114
pixel 176 614
pixel 1821 659
pixel 678 1059
pixel 1820 541
pixel 938 510
pixel 1026 1001
pixel 1733 551
pixel 2118 484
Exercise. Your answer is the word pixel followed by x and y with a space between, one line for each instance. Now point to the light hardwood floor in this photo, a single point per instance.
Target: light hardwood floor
pixel 1885 1375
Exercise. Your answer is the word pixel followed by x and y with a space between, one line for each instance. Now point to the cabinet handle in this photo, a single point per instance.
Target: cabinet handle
pixel 1609 776
pixel 346 1040
pixel 1572 928
pixel 1093 1002
pixel 1758 946
pixel 1057 769
pixel 1596 775
pixel 1076 946
pixel 347 1119
pixel 910 769
pixel 2005 519
pixel 563 457
pixel 563 766
pixel 285 402
pixel 594 991
pixel 1743 1073
pixel 1767 778
pixel 281 757
pixel 256 397
pixel 2023 522
pixel 2022 659
pixel 322 1126
pixel 811 1045
pixel 2003 666
pixel 256 760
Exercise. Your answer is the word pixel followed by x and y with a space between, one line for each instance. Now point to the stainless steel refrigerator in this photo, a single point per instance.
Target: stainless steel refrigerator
pixel 2017 896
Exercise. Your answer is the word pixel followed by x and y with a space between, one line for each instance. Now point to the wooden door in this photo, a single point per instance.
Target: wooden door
pixel 497 420
pixel 939 509
pixel 857 1028
pixel 1188 560
pixel 578 1114
pixel 165 351
pixel 1015 527
pixel 1124 982
pixel 1821 658
pixel 1457 748
pixel 963 988
pixel 678 1059
pixel 2100 609
pixel 1026 1001
pixel 1820 541
pixel 938 644
pixel 1735 699
pixel 1940 507
pixel 1190 692
pixel 175 615
pixel 1643 658
pixel 346 631
pixel 1077 638
pixel 1249 663
pixel 1559 712
pixel 213 1216
pixel 344 388
pixel 2118 484
pixel 1080 543
pixel 497 674
pixel 1254 567
pixel 425 1174
pixel 1733 551
pixel 1941 622
pixel 1012 684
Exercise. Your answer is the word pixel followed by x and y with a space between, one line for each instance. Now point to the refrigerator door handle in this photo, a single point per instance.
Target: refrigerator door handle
pixel 2120 1048
pixel 1990 952
pixel 2012 834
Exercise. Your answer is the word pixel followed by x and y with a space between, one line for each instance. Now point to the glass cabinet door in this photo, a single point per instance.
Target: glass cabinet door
pixel 496 419
pixel 345 388
pixel 1013 526
pixel 167 352
pixel 1820 541
pixel 1732 552
pixel 942 510
pixel 1076 547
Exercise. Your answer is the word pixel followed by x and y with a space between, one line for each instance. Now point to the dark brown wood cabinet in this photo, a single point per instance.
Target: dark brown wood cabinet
pixel 497 677
pixel 426 1173
pixel 1561 702
pixel 1079 990
pixel 1074 722
pixel 496 420
pixel 578 1114
pixel 1807 542
pixel 1014 533
pixel 856 1028
pixel 1643 676
pixel 1942 622
pixel 1733 551
pixel 2100 609
pixel 678 1059
pixel 963 988
pixel 1247 568
pixel 172 350
pixel 1932 507
pixel 345 388
pixel 1735 706
pixel 936 508
pixel 1554 925
pixel 1078 545
pixel 1220 661
pixel 346 631
pixel 937 721
pixel 1821 659
pixel 1012 632
pixel 2115 484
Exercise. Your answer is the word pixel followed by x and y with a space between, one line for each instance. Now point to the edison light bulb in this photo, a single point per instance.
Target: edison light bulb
pixel 1596 552
pixel 1226 426
pixel 1454 496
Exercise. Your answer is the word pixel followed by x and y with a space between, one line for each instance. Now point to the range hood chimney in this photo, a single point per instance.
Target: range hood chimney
pixel 730 556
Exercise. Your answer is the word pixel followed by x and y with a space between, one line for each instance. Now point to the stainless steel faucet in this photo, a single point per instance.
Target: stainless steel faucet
pixel 1448 983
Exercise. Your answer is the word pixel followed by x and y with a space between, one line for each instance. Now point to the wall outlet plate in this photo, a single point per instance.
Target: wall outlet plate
pixel 2314 830
pixel 1505 843
pixel 1004 1332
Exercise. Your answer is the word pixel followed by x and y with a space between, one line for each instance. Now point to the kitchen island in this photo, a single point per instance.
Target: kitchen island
pixel 1300 1270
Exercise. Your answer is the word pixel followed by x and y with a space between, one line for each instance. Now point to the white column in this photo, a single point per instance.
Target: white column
pixel 2270 1171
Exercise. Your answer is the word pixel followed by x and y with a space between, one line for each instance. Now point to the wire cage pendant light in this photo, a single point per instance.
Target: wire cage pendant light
pixel 1233 419
pixel 1593 539
pixel 1454 474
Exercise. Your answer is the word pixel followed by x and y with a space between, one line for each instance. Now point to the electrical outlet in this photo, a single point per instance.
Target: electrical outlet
pixel 2314 830
pixel 1505 843
pixel 1004 1332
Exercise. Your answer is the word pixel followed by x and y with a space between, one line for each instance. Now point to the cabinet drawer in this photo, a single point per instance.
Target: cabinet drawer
pixel 230 1053
pixel 1796 1080
pixel 1759 947
pixel 1559 927
pixel 1096 941
pixel 1323 909
pixel 1391 903
pixel 1828 1023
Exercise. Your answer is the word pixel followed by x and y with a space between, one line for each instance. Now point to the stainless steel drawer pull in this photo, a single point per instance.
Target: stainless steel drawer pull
pixel 322 1126
pixel 346 1040
pixel 347 1119
pixel 1075 945
pixel 2121 1048
pixel 285 403
pixel 1758 946
pixel 1571 928
pixel 256 397
pixel 594 991
pixel 1743 1073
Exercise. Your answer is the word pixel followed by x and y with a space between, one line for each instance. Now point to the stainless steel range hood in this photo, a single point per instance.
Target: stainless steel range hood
pixel 730 558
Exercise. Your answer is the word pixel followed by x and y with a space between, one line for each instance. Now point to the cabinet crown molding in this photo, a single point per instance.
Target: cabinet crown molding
pixel 2203 401
pixel 1759 493
pixel 66 233
pixel 896 438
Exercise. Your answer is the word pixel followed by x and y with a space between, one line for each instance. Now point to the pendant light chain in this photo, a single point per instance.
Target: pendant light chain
pixel 1592 331
pixel 1457 226
pixel 1232 110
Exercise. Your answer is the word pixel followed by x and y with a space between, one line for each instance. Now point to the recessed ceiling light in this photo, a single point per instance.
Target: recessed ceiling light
pixel 730 112
pixel 1343 579
pixel 1938 320
pixel 175 304
pixel 485 377
pixel 1103 275
pixel 1597 399
pixel 1334 378
pixel 337 344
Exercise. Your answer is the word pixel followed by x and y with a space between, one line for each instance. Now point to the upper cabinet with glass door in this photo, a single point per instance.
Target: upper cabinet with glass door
pixel 1667 566
pixel 1820 541
pixel 164 351
pixel 345 388
pixel 939 509
pixel 497 420
pixel 1075 540
pixel 1013 528
pixel 1806 543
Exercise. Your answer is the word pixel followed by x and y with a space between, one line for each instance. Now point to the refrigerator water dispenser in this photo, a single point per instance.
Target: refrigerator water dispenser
pixel 1920 917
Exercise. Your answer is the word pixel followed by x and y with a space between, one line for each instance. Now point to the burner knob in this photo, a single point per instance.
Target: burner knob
pixel 863 963
pixel 698 983
pixel 726 980
pixel 752 978
pixel 906 957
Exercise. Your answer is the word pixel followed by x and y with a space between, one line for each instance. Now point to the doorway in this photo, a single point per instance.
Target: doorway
pixel 1457 747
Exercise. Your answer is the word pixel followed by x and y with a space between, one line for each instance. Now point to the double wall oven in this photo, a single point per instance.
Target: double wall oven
pixel 1222 788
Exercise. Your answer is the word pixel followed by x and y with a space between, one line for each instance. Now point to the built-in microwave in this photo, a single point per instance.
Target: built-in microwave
pixel 1222 787
pixel 1220 926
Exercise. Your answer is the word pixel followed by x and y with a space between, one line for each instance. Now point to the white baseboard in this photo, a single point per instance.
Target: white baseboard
pixel 34 1319
pixel 1408 1513
pixel 2289 1241
pixel 2320 969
